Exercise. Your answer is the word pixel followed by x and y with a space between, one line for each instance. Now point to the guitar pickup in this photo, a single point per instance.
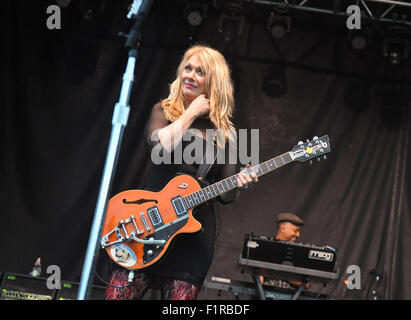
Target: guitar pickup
pixel 155 217
pixel 179 206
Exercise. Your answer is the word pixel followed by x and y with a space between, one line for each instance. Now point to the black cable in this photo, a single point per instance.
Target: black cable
pixel 109 284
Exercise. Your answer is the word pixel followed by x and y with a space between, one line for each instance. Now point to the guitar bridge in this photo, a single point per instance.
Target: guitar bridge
pixel 132 236
pixel 121 227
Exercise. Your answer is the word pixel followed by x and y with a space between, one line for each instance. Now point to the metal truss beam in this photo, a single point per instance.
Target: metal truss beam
pixel 336 8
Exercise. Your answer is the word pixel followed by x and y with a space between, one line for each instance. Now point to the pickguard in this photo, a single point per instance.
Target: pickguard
pixel 165 233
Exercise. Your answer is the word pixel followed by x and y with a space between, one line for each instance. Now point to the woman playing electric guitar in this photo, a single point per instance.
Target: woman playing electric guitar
pixel 200 100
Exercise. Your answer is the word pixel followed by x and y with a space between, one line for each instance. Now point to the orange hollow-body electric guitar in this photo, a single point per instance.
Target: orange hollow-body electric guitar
pixel 140 225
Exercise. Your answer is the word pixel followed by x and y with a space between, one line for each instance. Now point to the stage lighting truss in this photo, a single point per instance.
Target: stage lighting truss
pixel 375 10
pixel 63 3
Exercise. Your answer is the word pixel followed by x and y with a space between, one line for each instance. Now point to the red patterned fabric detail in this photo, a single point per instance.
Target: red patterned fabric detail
pixel 120 289
pixel 178 290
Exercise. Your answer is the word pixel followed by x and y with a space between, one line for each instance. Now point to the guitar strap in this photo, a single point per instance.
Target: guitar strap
pixel 205 167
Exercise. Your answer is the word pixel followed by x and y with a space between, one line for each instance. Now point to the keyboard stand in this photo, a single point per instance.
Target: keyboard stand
pixel 250 289
pixel 262 295
pixel 260 289
pixel 260 268
pixel 300 288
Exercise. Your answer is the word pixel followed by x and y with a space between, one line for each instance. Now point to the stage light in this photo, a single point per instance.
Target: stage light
pixel 230 26
pixel 279 24
pixel 274 81
pixel 360 39
pixel 231 20
pixel 195 13
pixel 396 50
pixel 359 42
pixel 396 45
pixel 92 9
pixel 194 18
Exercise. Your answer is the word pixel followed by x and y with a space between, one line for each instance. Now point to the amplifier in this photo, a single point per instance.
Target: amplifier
pixel 260 248
pixel 23 287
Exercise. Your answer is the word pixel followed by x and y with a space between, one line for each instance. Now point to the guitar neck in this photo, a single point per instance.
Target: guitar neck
pixel 230 183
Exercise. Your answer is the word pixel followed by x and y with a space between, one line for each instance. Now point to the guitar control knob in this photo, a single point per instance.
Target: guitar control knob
pixel 150 252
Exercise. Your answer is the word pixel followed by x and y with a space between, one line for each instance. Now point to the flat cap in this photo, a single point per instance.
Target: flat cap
pixel 290 217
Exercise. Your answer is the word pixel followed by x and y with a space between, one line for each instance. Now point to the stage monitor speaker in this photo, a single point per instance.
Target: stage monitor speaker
pixel 69 291
pixel 23 287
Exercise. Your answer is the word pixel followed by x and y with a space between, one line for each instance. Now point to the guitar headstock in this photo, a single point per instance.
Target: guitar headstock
pixel 309 150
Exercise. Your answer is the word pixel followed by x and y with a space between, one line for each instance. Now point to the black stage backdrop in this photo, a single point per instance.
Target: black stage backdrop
pixel 59 88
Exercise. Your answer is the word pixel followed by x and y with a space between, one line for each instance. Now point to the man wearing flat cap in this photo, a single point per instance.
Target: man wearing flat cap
pixel 288 227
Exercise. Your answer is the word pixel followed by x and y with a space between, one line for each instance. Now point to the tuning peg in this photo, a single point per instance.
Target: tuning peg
pixel 308 140
pixel 300 143
pixel 325 157
pixel 311 162
pixel 315 138
pixel 318 159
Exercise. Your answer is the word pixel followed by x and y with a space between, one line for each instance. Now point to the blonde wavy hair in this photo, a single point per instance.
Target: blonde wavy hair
pixel 218 89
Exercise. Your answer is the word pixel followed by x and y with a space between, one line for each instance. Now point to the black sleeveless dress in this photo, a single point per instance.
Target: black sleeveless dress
pixel 190 255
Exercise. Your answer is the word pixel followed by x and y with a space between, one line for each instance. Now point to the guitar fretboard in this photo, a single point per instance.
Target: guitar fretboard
pixel 230 183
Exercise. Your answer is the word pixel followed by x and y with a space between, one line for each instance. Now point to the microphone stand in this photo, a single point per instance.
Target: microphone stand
pixel 119 121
